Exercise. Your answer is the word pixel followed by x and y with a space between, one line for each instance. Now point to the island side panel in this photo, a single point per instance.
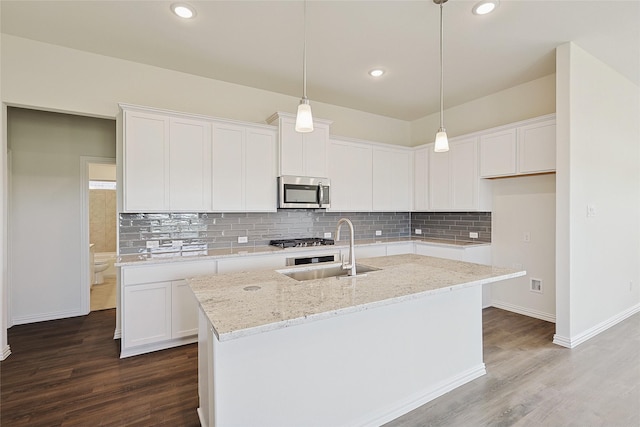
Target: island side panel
pixel 362 368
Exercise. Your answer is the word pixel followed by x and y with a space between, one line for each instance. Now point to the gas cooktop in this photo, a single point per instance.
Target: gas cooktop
pixel 299 243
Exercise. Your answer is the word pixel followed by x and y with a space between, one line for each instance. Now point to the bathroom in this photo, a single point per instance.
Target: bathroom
pixel 102 235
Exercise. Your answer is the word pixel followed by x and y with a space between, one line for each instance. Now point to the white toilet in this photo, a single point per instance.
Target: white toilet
pixel 98 269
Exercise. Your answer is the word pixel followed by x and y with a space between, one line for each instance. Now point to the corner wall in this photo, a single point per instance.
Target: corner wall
pixel 4 345
pixel 598 196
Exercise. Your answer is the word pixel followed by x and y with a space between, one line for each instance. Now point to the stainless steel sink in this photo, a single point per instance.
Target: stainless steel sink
pixel 323 272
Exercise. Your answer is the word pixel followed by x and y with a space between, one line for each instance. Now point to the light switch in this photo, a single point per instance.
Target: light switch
pixel 591 211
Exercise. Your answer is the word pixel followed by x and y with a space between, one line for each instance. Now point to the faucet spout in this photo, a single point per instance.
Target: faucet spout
pixel 351 266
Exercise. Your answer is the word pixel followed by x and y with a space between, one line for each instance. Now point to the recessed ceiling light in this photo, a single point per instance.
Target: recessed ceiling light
pixel 376 72
pixel 183 10
pixel 485 6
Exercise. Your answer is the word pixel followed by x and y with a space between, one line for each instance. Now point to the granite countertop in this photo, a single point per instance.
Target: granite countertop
pixel 242 304
pixel 162 258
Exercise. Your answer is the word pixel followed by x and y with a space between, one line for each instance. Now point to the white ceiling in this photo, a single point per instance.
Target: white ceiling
pixel 259 43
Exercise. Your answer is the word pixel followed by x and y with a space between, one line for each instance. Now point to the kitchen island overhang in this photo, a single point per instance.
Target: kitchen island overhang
pixel 354 351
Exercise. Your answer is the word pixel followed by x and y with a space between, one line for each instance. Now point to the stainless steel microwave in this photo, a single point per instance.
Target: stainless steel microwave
pixel 304 192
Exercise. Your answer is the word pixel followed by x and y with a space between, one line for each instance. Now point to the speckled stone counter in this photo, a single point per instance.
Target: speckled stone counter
pixel 243 304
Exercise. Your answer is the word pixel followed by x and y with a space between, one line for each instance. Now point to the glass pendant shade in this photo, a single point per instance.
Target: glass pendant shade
pixel 304 119
pixel 442 142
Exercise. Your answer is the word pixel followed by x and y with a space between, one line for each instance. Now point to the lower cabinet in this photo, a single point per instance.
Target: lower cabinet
pixel 158 309
pixel 147 310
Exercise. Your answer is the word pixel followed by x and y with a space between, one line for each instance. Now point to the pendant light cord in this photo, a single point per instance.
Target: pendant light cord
pixel 304 54
pixel 441 72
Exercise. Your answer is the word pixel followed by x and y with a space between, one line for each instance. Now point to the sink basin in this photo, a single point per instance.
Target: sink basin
pixel 323 272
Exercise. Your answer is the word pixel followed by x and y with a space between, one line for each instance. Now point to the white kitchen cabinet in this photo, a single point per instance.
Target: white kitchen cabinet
pixel 205 364
pixel 147 310
pixel 146 154
pixel 421 178
pixel 537 147
pixel 189 165
pixel 184 313
pixel 166 162
pixel 158 309
pixel 454 181
pixel 244 169
pixel 350 168
pixel 521 148
pixel 392 179
pixel 498 153
pixel 301 154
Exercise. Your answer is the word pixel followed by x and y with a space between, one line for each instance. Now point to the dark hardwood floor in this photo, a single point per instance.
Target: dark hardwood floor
pixel 67 373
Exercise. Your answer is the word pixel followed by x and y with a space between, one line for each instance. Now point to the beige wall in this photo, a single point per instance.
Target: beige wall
pixel 598 165
pixel 102 220
pixel 54 78
pixel 525 204
pixel 528 100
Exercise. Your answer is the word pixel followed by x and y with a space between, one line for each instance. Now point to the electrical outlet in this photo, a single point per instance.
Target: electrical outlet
pixel 526 237
pixel 418 231
pixel 473 235
pixel 327 235
pixel 152 244
pixel 535 285
pixel 378 232
pixel 243 239
pixel 591 211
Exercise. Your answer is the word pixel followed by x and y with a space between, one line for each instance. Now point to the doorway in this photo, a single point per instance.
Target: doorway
pixel 102 221
pixel 48 251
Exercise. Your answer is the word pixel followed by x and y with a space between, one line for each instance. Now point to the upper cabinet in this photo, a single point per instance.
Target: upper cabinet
pixel 392 179
pixel 454 182
pixel 166 164
pixel 350 168
pixel 301 154
pixel 522 148
pixel 174 162
pixel 244 168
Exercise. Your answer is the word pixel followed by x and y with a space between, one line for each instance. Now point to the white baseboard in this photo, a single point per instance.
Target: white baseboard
pixel 201 417
pixel 6 351
pixel 43 317
pixel 143 349
pixel 418 399
pixel 571 342
pixel 524 311
pixel 117 334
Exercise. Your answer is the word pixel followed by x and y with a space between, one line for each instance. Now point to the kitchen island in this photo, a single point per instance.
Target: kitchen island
pixel 274 351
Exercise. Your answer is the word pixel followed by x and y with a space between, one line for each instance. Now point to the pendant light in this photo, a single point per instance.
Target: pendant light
pixel 442 142
pixel 304 119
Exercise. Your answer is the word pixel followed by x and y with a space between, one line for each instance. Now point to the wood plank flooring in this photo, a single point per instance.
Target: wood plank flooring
pixel 532 382
pixel 67 373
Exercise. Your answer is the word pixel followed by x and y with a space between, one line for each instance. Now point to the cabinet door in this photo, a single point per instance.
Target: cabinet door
pixel 537 147
pixel 498 154
pixel 392 182
pixel 421 179
pixel 315 151
pixel 464 174
pixel 228 167
pixel 439 183
pixel 350 168
pixel 147 314
pixel 146 155
pixel 184 310
pixel 291 149
pixel 190 165
pixel 303 154
pixel 261 184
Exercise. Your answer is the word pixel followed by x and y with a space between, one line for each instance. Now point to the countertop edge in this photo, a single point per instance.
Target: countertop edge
pixel 241 333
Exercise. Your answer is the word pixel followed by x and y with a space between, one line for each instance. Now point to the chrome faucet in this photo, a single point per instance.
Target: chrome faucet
pixel 352 252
